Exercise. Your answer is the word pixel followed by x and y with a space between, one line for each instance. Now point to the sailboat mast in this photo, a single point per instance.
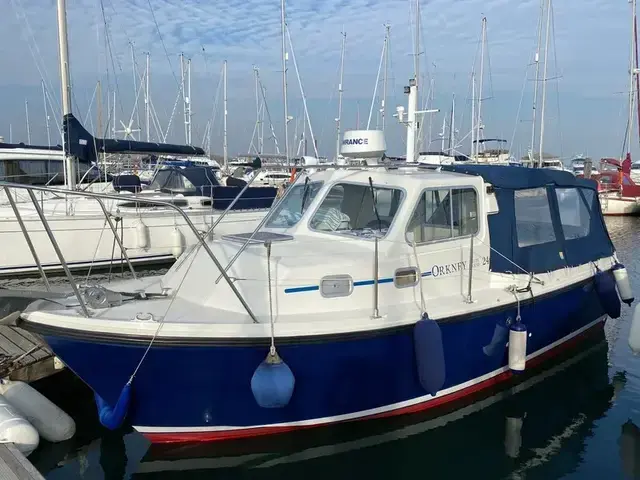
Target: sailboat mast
pixel 65 82
pixel 284 81
pixel 386 74
pixel 113 115
pixel 416 65
pixel 340 90
pixel 544 81
pixel 46 113
pixel 147 109
pixel 26 114
pixel 632 74
pixel 188 100
pixel 135 82
pixel 184 100
pixel 417 142
pixel 536 60
pixel 479 118
pixel 225 150
pixel 636 71
pixel 452 127
pixel 473 113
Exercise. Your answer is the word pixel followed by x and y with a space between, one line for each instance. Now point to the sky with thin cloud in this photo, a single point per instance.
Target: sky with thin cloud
pixel 586 103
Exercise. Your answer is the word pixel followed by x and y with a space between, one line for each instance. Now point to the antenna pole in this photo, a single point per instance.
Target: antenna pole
pixel 386 74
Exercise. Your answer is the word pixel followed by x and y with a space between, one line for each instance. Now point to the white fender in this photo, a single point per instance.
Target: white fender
pixel 623 284
pixel 178 242
pixel 634 332
pixel 14 428
pixel 49 420
pixel 517 347
pixel 142 235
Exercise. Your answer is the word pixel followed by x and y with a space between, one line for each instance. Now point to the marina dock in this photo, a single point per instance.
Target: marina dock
pixel 24 356
pixel 15 466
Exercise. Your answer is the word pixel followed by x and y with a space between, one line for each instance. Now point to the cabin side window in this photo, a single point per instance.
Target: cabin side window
pixel 443 214
pixel 357 209
pixel 575 215
pixel 533 217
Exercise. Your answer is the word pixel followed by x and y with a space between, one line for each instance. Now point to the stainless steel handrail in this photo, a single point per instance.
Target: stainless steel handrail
pixel 181 212
pixel 27 237
pixel 56 247
pixel 264 220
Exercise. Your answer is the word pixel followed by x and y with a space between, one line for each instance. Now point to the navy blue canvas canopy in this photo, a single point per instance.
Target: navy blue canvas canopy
pixel 547 219
pixel 203 182
pixel 85 147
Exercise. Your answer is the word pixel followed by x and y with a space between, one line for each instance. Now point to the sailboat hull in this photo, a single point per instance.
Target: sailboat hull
pixel 613 204
pixel 86 240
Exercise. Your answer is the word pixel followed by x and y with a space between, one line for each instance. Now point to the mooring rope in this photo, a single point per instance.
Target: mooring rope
pixel 272 348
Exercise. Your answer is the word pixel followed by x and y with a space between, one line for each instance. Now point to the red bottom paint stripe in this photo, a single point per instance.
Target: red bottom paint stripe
pixel 210 436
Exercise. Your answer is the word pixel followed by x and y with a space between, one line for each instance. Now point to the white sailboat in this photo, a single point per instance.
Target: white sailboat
pixel 148 232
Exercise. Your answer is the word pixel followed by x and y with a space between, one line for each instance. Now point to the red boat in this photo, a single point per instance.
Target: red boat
pixel 619 194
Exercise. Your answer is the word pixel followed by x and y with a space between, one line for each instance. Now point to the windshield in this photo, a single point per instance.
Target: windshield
pixel 357 209
pixel 290 210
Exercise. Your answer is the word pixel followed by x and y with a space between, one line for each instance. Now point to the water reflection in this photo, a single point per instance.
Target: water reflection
pixel 536 429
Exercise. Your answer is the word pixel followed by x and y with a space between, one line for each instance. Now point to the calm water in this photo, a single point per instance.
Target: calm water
pixel 579 419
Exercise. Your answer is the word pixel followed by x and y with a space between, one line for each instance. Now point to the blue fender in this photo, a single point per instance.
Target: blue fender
pixel 429 353
pixel 272 383
pixel 605 286
pixel 113 418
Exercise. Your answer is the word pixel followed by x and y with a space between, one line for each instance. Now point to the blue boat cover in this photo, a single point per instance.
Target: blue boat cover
pixel 85 147
pixel 547 219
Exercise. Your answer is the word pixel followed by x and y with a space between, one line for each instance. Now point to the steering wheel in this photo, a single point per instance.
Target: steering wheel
pixel 373 224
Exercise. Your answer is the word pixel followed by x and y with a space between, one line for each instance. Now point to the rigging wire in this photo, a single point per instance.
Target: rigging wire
pixel 37 58
pixel 164 47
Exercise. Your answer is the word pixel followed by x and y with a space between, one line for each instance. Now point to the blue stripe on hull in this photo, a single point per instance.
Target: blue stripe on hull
pixel 200 386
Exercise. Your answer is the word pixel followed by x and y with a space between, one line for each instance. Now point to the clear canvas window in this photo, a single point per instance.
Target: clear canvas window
pixel 533 217
pixel 442 214
pixel 574 213
pixel 348 208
